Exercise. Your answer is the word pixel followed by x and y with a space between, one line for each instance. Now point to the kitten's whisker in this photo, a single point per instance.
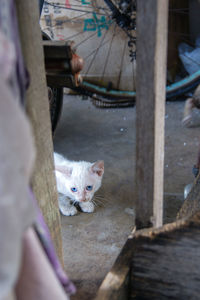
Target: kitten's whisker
pixel 102 201
pixel 99 202
pixel 94 203
pixel 99 196
pixel 99 199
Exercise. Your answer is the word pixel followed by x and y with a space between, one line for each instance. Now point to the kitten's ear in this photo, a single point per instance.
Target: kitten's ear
pixel 98 167
pixel 64 170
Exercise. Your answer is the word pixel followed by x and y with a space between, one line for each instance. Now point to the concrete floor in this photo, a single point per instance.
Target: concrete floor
pixel 92 241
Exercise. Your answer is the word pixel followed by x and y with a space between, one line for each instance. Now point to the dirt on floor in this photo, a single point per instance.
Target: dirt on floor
pixel 93 241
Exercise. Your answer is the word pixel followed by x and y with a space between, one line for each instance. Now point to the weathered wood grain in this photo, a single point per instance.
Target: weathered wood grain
pixel 116 284
pixel 43 181
pixel 157 263
pixel 167 265
pixel 150 108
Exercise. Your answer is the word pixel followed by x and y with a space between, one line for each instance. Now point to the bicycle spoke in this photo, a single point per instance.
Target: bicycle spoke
pixel 133 74
pixel 73 36
pixel 108 54
pixel 93 51
pixel 83 41
pixel 120 70
pixel 90 65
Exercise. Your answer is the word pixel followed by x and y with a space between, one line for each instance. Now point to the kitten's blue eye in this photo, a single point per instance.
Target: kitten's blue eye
pixel 74 189
pixel 89 187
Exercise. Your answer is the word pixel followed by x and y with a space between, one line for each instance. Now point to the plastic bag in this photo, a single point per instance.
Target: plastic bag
pixel 190 56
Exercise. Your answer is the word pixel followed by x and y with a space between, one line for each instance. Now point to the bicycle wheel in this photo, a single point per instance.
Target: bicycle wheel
pixel 107 44
pixel 107 48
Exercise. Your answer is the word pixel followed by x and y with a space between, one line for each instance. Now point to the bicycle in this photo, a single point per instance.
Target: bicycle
pixel 108 29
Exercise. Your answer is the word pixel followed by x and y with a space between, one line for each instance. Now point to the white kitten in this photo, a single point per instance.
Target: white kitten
pixel 77 181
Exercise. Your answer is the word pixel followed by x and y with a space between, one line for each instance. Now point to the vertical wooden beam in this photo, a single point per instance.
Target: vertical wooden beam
pixel 152 18
pixel 43 183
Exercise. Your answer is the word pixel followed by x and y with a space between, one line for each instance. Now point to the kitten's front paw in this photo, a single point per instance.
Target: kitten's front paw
pixel 68 210
pixel 87 207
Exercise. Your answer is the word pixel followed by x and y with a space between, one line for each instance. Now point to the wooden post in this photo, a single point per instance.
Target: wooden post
pixel 152 18
pixel 43 182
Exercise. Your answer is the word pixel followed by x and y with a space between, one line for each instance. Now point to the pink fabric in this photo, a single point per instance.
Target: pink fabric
pixel 19 78
pixel 17 153
pixel 46 242
pixel 7 57
pixel 16 160
pixel 37 279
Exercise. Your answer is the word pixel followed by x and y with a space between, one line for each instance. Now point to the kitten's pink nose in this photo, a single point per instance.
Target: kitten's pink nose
pixel 83 200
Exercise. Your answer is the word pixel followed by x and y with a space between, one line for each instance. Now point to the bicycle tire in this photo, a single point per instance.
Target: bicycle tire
pixel 56 104
pixel 183 86
pixel 174 90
